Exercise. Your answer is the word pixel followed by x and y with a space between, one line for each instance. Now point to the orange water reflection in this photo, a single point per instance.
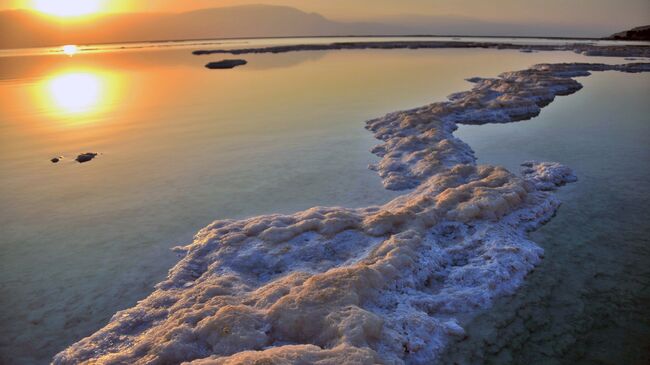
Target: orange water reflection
pixel 76 92
pixel 73 96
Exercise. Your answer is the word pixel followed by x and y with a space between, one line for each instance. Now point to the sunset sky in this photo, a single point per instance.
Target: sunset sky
pixel 551 11
pixel 80 21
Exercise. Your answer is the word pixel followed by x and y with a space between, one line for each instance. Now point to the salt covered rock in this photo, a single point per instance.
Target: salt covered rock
pixel 547 175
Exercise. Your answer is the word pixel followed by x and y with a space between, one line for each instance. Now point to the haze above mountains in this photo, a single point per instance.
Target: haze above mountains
pixel 23 28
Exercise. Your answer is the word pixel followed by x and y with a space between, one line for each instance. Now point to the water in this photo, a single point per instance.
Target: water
pixel 267 42
pixel 181 146
pixel 587 303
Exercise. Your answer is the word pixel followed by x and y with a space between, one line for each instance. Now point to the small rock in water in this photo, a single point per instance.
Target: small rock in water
pixel 474 80
pixel 85 157
pixel 56 159
pixel 226 64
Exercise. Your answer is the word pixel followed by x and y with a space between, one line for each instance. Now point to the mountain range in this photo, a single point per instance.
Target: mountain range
pixel 23 28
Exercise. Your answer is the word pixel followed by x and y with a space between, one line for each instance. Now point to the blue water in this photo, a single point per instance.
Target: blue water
pixel 587 303
pixel 182 146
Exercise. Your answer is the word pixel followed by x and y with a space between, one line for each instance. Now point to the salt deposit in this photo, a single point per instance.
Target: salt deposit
pixel 628 50
pixel 418 143
pixel 385 284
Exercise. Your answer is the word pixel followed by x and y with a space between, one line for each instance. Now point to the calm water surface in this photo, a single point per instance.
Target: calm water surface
pixel 265 42
pixel 181 146
pixel 588 302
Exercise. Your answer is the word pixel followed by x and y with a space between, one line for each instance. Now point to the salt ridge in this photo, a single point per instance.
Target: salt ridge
pixel 386 284
pixel 418 143
pixel 587 49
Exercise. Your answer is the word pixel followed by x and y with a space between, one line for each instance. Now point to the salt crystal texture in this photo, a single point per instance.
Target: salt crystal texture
pixel 378 285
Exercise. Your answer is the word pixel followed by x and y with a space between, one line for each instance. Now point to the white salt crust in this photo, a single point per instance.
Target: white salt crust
pixel 377 285
pixel 419 142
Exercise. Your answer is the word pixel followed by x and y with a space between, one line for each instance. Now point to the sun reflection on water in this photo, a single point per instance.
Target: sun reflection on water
pixel 73 97
pixel 70 49
pixel 76 92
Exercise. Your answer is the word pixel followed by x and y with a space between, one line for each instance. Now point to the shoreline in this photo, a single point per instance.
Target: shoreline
pixel 328 36
pixel 445 249
pixel 586 49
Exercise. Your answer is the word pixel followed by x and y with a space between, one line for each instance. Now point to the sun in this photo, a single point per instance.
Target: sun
pixel 68 8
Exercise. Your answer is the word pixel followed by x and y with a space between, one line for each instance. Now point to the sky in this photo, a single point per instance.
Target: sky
pixel 73 21
pixel 548 11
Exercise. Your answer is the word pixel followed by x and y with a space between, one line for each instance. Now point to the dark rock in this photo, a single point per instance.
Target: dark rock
pixel 640 50
pixel 56 159
pixel 474 80
pixel 226 64
pixel 635 34
pixel 85 157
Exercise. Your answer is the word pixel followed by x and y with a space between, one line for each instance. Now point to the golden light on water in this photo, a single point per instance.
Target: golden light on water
pixel 76 92
pixel 70 49
pixel 76 97
pixel 68 8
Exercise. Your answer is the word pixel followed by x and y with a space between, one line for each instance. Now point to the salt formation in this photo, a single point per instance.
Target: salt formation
pixel 547 175
pixel 387 284
pixel 418 143
pixel 582 48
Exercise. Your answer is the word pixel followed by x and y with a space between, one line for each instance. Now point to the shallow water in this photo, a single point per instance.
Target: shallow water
pixel 266 42
pixel 587 303
pixel 181 146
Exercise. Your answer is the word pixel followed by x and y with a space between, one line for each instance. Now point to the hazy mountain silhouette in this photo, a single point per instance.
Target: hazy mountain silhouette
pixel 462 25
pixel 20 28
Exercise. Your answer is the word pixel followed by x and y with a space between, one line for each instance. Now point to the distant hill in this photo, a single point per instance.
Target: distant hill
pixel 20 28
pixel 635 34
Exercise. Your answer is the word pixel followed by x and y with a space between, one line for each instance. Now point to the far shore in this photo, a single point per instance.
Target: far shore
pixel 582 48
pixel 131 42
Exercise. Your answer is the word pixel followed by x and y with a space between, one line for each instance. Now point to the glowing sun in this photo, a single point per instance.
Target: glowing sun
pixel 68 8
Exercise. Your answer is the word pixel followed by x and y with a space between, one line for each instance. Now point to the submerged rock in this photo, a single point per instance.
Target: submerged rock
pixel 85 157
pixel 224 64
